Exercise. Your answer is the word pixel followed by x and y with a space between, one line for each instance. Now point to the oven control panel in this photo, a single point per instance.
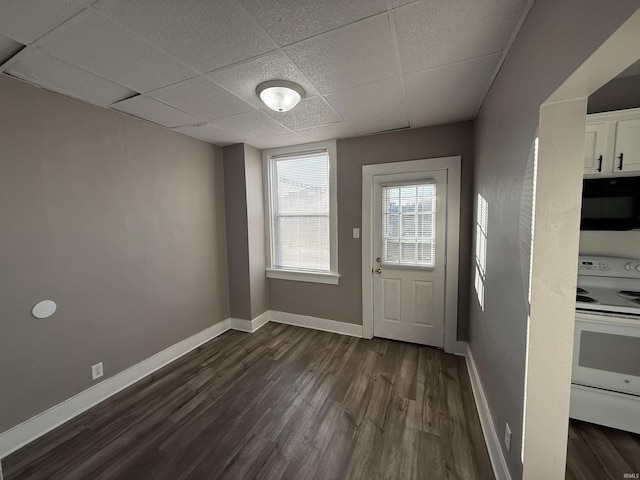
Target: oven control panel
pixel 608 266
pixel 591 265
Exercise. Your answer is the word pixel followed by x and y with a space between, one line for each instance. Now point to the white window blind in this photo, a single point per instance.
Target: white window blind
pixel 408 224
pixel 301 211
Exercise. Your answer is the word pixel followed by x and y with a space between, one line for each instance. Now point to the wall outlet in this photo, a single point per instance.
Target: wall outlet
pixel 96 371
pixel 507 437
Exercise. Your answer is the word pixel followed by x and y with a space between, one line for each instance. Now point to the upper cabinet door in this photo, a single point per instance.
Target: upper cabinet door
pixel 595 143
pixel 627 152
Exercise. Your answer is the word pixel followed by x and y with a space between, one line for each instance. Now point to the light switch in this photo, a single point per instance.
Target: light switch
pixel 356 233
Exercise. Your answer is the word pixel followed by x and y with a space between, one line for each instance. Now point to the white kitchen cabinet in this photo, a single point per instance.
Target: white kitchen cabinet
pixel 595 144
pixel 627 156
pixel 612 144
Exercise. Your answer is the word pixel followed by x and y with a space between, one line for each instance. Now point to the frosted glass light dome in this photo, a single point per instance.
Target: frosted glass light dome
pixel 280 95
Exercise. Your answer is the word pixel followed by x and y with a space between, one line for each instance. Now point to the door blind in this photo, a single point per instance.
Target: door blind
pixel 408 224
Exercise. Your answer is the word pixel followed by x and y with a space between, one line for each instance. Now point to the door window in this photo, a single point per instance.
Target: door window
pixel 408 224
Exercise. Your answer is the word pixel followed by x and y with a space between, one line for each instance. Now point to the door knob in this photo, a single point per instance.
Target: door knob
pixel 378 271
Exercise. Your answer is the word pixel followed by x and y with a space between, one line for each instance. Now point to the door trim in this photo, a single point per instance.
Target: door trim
pixel 453 167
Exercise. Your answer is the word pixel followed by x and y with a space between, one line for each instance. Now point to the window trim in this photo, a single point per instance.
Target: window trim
pixel 314 276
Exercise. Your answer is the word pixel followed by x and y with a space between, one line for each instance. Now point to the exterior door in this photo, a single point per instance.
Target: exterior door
pixel 409 228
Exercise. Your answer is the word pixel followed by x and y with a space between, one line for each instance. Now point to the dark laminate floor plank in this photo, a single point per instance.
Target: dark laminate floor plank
pixel 595 452
pixel 282 403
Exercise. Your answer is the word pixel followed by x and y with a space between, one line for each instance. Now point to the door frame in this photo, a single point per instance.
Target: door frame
pixel 453 167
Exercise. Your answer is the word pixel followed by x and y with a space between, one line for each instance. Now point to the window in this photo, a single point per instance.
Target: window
pixel 408 228
pixel 302 217
pixel 482 225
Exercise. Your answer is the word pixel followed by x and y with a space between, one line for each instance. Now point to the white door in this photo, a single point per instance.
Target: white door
pixel 409 227
pixel 627 146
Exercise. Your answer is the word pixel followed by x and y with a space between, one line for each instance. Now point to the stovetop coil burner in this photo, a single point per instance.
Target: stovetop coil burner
pixel 585 299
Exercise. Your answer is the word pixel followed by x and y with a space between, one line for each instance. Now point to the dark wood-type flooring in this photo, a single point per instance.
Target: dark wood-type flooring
pixel 600 453
pixel 282 403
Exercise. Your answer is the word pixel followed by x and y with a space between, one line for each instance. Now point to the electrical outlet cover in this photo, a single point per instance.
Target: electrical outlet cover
pixel 96 371
pixel 507 437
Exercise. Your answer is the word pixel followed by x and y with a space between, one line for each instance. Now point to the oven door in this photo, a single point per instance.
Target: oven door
pixel 606 352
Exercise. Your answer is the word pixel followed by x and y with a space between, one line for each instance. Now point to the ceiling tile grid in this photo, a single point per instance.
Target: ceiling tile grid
pixel 8 48
pixel 290 21
pixel 201 97
pixel 354 55
pixel 311 112
pixel 94 42
pixel 212 134
pixel 27 20
pixel 440 32
pixel 157 112
pixel 251 124
pixel 371 108
pixel 37 67
pixel 366 66
pixel 450 93
pixel 204 34
pixel 242 79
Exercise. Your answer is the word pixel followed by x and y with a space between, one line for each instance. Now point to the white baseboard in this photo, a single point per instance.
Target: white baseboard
pixel 26 432
pixel 249 325
pixel 316 323
pixel 46 421
pixel 498 462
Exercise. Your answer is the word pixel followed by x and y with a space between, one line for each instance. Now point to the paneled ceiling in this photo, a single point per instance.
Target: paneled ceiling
pixel 192 66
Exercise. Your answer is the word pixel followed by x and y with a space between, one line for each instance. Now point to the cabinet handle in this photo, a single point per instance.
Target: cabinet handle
pixel 600 163
pixel 620 158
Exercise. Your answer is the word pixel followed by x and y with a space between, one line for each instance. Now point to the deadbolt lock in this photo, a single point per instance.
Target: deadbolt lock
pixel 379 260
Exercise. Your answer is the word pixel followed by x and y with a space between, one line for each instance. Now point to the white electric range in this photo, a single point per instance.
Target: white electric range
pixel 606 355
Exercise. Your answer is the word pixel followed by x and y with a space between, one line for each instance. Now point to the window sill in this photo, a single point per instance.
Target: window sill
pixel 313 277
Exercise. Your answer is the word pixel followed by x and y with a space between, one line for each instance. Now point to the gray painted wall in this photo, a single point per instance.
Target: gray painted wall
pixel 343 302
pixel 555 39
pixel 237 231
pixel 618 94
pixel 120 222
pixel 255 231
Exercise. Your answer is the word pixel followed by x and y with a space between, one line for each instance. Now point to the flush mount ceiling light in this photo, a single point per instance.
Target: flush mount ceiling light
pixel 280 95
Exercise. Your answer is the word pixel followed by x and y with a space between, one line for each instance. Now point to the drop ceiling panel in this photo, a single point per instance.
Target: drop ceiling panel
pixel 212 134
pixel 244 78
pixel 372 108
pixel 251 124
pixel 311 112
pixel 201 97
pixel 92 41
pixel 8 48
pixel 449 94
pixel 41 69
pixel 441 32
pixel 289 21
pixel 277 140
pixel 28 20
pixel 326 132
pixel 155 111
pixel 204 34
pixel 354 55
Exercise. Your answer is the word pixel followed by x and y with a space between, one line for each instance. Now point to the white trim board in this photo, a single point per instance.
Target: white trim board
pixel 44 422
pixel 491 439
pixel 249 326
pixel 453 166
pixel 316 323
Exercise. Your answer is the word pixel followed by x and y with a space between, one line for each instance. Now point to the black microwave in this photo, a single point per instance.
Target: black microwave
pixel 610 203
